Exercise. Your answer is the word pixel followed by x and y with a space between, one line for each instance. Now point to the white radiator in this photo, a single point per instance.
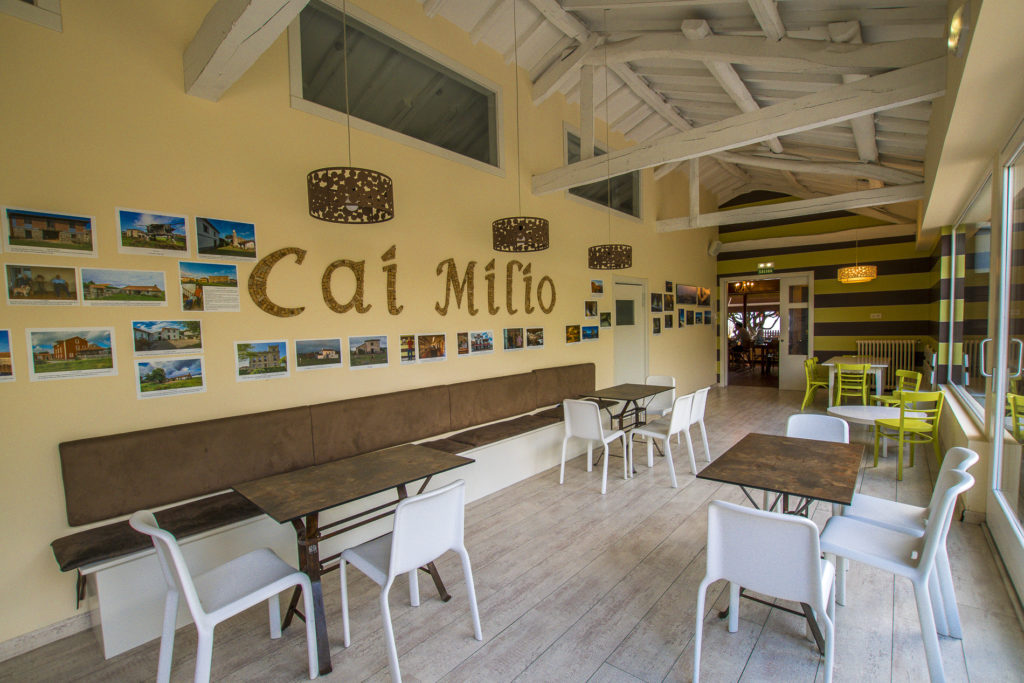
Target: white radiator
pixel 898 352
pixel 972 360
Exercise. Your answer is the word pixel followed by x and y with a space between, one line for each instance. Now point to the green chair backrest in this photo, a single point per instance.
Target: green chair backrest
pixel 852 376
pixel 927 402
pixel 1015 402
pixel 907 380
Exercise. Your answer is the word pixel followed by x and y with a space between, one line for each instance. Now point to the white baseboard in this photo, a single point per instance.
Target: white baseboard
pixel 27 642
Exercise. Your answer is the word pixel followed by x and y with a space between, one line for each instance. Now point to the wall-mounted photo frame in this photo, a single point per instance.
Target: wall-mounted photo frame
pixel 151 232
pixel 259 360
pixel 686 295
pixel 514 339
pixel 6 357
pixel 481 342
pixel 668 287
pixel 597 289
pixel 656 325
pixel 703 296
pixel 669 302
pixel 534 337
pixel 590 333
pixel 53 234
pixel 589 309
pixel 668 321
pixel 167 337
pixel 462 343
pixel 431 348
pixel 207 286
pixel 606 319
pixel 655 302
pixel 318 354
pixel 572 334
pixel 681 317
pixel 217 238
pixel 406 349
pixel 690 317
pixel 158 378
pixel 113 287
pixel 71 353
pixel 33 285
pixel 368 352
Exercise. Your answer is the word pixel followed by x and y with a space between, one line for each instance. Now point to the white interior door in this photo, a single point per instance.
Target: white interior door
pixel 630 320
pixel 794 330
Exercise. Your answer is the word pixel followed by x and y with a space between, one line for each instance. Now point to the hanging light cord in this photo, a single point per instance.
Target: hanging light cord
pixel 344 49
pixel 607 130
pixel 515 73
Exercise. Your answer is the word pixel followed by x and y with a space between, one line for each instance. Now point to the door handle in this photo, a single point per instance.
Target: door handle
pixel 981 351
pixel 1020 355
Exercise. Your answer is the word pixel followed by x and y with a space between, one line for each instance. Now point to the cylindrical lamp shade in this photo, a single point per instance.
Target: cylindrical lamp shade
pixel 610 257
pixel 520 233
pixel 344 194
pixel 860 273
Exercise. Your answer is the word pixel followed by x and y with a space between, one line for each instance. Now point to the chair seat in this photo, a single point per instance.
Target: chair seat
pixel 242 577
pixel 371 558
pixel 860 541
pixel 656 428
pixel 909 519
pixel 917 426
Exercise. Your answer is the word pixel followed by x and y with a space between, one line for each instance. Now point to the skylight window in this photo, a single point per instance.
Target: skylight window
pixel 625 188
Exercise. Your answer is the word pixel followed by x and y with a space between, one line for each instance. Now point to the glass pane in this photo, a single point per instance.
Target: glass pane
pixel 393 86
pixel 798 294
pixel 797 334
pixel 624 312
pixel 976 296
pixel 624 187
pixel 1012 474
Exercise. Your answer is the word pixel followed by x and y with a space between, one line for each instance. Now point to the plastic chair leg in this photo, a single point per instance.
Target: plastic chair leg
pixel 842 566
pixel 344 603
pixel 561 471
pixel 204 655
pixel 704 438
pixel 314 659
pixel 734 607
pixel 945 576
pixel 671 465
pixel 467 571
pixel 389 636
pixel 274 608
pixel 689 452
pixel 650 453
pixel 604 473
pixel 938 609
pixel 590 456
pixel 928 632
pixel 163 669
pixel 414 588
pixel 698 633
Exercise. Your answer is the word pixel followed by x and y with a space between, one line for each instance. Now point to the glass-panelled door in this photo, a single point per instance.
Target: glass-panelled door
pixel 794 330
pixel 1005 404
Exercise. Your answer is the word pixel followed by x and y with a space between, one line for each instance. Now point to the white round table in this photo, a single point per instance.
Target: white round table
pixel 866 415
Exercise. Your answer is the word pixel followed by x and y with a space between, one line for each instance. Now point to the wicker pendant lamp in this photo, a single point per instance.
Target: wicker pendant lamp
pixel 858 272
pixel 609 256
pixel 519 233
pixel 346 194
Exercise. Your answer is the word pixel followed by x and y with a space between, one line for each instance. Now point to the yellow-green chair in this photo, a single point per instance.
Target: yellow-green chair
pixel 906 380
pixel 922 428
pixel 814 380
pixel 853 382
pixel 1015 407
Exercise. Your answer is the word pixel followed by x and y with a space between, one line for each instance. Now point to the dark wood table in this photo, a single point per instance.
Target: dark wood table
pixel 806 469
pixel 632 414
pixel 300 496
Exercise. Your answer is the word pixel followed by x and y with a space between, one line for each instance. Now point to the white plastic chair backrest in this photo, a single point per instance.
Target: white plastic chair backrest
pixel 948 486
pixel 820 427
pixel 767 552
pixel 583 419
pixel 426 526
pixel 700 402
pixel 680 417
pixel 172 562
pixel 663 401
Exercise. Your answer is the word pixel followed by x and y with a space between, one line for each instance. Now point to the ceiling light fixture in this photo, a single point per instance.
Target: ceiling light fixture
pixel 346 194
pixel 608 256
pixel 959 26
pixel 859 272
pixel 519 233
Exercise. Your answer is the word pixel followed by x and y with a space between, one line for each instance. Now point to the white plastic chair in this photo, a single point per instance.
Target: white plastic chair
pixel 770 553
pixel 662 429
pixel 822 428
pixel 661 404
pixel 221 593
pixel 905 555
pixel 700 402
pixel 583 421
pixel 912 520
pixel 426 527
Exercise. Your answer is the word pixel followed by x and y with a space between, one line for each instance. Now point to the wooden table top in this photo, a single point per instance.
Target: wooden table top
pixel 822 470
pixel 628 392
pixel 295 494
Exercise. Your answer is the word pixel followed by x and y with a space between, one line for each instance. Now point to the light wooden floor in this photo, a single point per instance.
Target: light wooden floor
pixel 575 586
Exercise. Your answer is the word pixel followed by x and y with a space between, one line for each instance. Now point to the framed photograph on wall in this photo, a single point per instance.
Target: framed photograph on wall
pixel 151 232
pixel 169 377
pixel 42 232
pixel 656 324
pixel 317 354
pixel 686 295
pixel 655 302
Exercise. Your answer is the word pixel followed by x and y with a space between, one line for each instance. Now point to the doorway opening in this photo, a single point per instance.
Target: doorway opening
pixel 754 317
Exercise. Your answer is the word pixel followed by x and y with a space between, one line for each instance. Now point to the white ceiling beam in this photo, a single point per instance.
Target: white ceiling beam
pixel 853 170
pixel 788 54
pixel 432 7
pixel 632 4
pixel 851 235
pixel 840 103
pixel 525 37
pixel 767 14
pixel 665 169
pixel 694 178
pixel 863 126
pixel 725 74
pixel 556 76
pixel 232 37
pixel 563 21
pixel 803 207
pixel 587 112
pixel 488 20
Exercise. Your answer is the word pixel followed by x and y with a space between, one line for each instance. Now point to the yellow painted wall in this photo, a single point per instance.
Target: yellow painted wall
pixel 96 117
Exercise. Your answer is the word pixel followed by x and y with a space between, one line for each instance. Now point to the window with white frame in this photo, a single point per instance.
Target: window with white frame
pixel 625 188
pixel 394 86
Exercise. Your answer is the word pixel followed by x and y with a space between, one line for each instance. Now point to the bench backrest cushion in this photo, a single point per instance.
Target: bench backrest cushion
pixel 108 476
pixel 564 381
pixel 485 400
pixel 345 428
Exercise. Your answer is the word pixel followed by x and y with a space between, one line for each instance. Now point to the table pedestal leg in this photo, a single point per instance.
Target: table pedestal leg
pixel 309 562
pixel 831 383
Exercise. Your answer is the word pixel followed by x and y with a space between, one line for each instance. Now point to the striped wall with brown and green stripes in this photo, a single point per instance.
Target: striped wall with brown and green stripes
pixel 904 298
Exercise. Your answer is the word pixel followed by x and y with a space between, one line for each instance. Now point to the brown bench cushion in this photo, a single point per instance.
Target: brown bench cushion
pixel 114 540
pixel 564 381
pixel 116 475
pixel 492 433
pixel 486 400
pixel 448 445
pixel 342 429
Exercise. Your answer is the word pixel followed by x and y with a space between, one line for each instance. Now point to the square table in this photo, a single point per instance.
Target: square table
pixel 630 395
pixel 878 366
pixel 807 469
pixel 301 495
